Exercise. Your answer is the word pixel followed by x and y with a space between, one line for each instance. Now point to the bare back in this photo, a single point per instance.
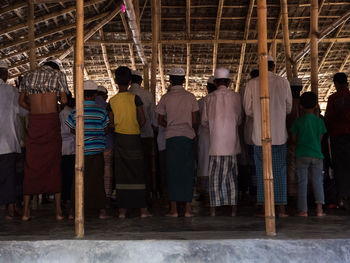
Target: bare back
pixel 43 103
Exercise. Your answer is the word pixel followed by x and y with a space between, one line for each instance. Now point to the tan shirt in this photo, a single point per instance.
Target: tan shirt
pixel 177 105
pixel 222 112
pixel 280 105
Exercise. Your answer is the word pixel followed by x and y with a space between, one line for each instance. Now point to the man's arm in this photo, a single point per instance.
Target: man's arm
pixel 289 100
pixel 140 116
pixel 162 121
pixel 248 100
pixel 63 99
pixel 22 101
pixel 194 119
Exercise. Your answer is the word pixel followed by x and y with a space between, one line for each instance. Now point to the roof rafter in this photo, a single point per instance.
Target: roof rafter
pixel 188 45
pixel 217 33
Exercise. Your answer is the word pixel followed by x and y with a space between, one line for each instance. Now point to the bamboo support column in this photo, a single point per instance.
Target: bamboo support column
pixel 314 45
pixel 31 36
pixel 265 120
pixel 155 38
pixel 79 145
pixel 285 29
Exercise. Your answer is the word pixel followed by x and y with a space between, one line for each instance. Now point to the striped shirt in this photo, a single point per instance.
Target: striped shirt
pixel 44 80
pixel 95 122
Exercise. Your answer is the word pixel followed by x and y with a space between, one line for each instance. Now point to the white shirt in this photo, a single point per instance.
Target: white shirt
pixel 9 110
pixel 68 139
pixel 222 112
pixel 148 109
pixel 203 144
pixel 177 105
pixel 280 106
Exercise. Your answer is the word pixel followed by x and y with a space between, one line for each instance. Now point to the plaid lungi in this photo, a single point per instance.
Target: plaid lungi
pixel 222 181
pixel 279 168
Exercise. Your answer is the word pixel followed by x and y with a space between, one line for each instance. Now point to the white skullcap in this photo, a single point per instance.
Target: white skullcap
pixel 3 64
pixel 177 72
pixel 102 89
pixel 297 82
pixel 270 58
pixel 136 73
pixel 90 85
pixel 211 80
pixel 221 73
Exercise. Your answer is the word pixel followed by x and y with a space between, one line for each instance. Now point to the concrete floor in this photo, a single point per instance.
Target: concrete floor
pixel 43 226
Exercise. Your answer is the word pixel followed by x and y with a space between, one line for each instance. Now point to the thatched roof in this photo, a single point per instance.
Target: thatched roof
pixel 214 24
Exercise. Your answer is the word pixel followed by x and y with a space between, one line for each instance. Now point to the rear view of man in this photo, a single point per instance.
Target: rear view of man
pixel 9 141
pixel 44 87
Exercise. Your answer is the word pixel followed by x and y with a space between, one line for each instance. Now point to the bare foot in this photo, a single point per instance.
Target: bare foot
pixel 59 217
pixel 172 215
pixel 282 215
pixel 70 217
pixel 321 214
pixel 212 211
pixel 104 216
pixel 234 211
pixel 189 214
pixel 9 217
pixel 145 215
pixel 26 218
pixel 301 214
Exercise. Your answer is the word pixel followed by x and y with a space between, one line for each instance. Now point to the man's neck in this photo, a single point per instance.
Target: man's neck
pixel 123 88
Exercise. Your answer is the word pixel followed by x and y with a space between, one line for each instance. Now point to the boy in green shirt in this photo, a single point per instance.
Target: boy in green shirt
pixel 307 132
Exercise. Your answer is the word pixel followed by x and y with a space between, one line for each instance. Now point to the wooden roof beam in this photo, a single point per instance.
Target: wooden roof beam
pixel 46 17
pixel 11 8
pixel 217 33
pixel 244 45
pixel 160 52
pixel 286 40
pixel 131 46
pixel 106 61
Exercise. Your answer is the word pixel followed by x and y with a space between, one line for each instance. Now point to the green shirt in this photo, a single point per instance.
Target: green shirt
pixel 308 130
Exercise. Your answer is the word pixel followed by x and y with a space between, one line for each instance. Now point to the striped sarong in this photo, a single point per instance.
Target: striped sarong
pixel 279 168
pixel 222 181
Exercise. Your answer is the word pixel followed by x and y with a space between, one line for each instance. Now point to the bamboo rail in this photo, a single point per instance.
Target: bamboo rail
pixel 31 35
pixel 265 120
pixel 155 39
pixel 79 146
pixel 314 45
pixel 285 30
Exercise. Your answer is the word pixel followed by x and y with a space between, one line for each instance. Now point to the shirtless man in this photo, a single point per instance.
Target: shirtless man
pixel 44 87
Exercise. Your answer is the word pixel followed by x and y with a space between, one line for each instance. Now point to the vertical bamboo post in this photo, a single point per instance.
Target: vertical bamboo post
pixel 146 77
pixel 155 38
pixel 314 45
pixel 265 120
pixel 31 36
pixel 286 41
pixel 79 146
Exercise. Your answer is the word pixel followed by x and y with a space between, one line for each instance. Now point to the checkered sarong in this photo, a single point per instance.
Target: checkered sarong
pixel 279 168
pixel 222 181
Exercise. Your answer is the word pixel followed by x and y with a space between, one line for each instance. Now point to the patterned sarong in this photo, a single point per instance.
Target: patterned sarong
pixel 180 168
pixel 279 168
pixel 129 172
pixel 222 181
pixel 42 170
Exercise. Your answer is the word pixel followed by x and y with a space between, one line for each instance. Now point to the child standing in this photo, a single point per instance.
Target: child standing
pixel 307 132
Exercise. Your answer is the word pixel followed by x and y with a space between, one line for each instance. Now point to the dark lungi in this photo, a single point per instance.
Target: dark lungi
pixel 279 168
pixel 340 152
pixel 129 172
pixel 8 182
pixel 42 171
pixel 180 168
pixel 68 165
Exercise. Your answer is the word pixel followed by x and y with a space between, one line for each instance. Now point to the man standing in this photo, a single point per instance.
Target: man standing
pixel 146 130
pixel 337 119
pixel 222 113
pixel 178 111
pixel 9 141
pixel 42 174
pixel 102 95
pixel 203 147
pixel 127 115
pixel 280 106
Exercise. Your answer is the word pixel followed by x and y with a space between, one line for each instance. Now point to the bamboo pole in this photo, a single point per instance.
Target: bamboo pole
pixel 314 45
pixel 265 120
pixel 285 30
pixel 155 38
pixel 31 35
pixel 146 77
pixel 188 64
pixel 79 146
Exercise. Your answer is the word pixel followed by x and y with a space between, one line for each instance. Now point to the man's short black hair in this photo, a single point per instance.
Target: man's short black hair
pixel 211 87
pixel 340 78
pixel 270 65
pixel 254 73
pixel 89 93
pixel 177 80
pixel 136 79
pixel 51 64
pixel 123 76
pixel 219 82
pixel 308 100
